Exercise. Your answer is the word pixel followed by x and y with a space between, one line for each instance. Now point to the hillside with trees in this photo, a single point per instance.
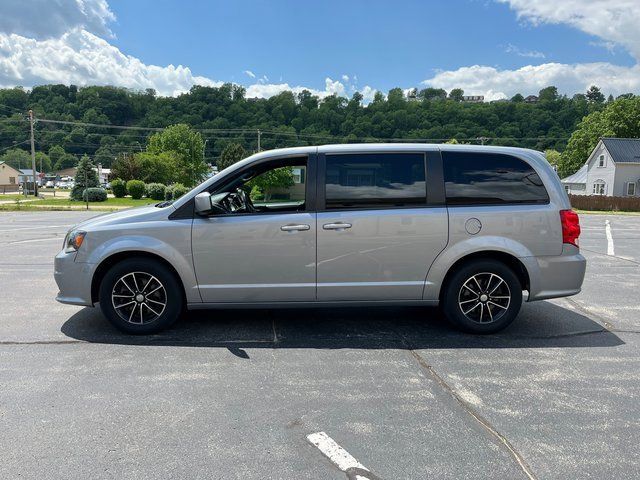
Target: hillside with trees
pixel 106 123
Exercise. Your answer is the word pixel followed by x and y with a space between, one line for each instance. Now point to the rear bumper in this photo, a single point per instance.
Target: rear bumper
pixel 556 276
pixel 73 279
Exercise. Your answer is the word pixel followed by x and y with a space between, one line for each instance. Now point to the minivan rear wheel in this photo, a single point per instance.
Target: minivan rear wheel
pixel 483 296
pixel 140 296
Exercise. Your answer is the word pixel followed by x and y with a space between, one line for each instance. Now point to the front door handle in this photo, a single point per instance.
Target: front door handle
pixel 336 226
pixel 294 228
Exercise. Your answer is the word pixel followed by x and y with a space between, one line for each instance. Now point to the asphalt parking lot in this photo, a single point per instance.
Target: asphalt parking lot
pixel 235 394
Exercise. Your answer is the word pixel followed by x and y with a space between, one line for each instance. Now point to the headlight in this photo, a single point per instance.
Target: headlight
pixel 74 241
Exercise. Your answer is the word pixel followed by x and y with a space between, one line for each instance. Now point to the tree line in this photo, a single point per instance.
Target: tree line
pixel 223 116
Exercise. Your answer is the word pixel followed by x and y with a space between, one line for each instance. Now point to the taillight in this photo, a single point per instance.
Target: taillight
pixel 570 227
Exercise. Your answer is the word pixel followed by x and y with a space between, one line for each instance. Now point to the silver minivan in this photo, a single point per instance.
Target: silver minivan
pixel 465 227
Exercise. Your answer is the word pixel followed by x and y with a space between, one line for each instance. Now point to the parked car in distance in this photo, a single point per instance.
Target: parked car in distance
pixel 50 184
pixel 468 228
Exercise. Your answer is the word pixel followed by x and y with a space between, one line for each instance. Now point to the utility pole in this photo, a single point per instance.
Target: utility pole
pixel 259 135
pixel 33 154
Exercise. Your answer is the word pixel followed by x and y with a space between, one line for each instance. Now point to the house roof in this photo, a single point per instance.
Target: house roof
pixel 579 177
pixel 28 172
pixel 6 164
pixel 623 150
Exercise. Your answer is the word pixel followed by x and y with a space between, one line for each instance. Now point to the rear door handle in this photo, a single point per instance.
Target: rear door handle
pixel 294 228
pixel 336 226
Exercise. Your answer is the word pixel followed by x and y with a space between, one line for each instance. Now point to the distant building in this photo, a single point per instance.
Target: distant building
pixel 531 99
pixel 412 94
pixel 473 98
pixel 104 174
pixel 612 169
pixel 9 178
pixel 26 175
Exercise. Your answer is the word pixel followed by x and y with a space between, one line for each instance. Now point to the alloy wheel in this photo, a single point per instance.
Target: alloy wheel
pixel 484 297
pixel 139 298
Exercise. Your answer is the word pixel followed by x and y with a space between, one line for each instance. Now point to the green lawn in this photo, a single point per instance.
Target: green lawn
pixel 67 204
pixel 13 197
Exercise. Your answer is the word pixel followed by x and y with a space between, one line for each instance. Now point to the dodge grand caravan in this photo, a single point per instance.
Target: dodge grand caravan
pixel 464 227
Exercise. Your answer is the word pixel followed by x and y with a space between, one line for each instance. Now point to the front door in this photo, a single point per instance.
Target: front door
pixel 377 234
pixel 260 246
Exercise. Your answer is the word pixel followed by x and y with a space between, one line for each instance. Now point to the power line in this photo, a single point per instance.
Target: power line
pixel 14 145
pixel 12 108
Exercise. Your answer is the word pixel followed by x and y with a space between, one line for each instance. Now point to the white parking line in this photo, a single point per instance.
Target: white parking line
pixel 607 227
pixel 334 452
pixel 58 238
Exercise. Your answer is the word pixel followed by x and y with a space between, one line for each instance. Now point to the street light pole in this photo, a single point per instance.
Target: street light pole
pixel 33 154
pixel 259 136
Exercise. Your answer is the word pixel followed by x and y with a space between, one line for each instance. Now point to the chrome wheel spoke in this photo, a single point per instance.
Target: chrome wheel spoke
pixel 147 305
pixel 472 308
pixel 126 285
pixel 496 287
pixel 497 305
pixel 125 304
pixel 144 289
pixel 464 301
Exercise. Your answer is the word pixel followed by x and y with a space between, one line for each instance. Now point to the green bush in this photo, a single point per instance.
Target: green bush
pixel 156 191
pixel 119 188
pixel 168 193
pixel 135 189
pixel 179 190
pixel 94 194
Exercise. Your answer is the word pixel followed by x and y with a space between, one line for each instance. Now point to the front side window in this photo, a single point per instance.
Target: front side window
pixel 274 187
pixel 599 187
pixel 601 161
pixel 12 180
pixel 631 189
pixel 375 180
pixel 488 179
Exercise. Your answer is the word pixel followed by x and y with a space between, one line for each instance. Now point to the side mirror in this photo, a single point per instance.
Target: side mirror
pixel 203 204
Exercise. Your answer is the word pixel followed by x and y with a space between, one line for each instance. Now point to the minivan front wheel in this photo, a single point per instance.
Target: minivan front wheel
pixel 483 296
pixel 140 296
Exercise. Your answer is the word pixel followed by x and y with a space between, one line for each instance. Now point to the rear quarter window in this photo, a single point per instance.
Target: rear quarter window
pixel 490 179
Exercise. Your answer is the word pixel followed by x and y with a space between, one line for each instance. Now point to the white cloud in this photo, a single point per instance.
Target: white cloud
pixel 42 19
pixel 495 84
pixel 266 90
pixel 611 20
pixel 368 93
pixel 81 58
pixel 523 53
pixel 345 78
pixel 249 73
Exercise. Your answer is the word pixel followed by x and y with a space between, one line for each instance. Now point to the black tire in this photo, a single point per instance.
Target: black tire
pixel 148 315
pixel 483 311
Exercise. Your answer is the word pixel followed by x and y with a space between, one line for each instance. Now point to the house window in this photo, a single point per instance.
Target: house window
pixel 631 189
pixel 12 180
pixel 599 187
pixel 567 189
pixel 601 162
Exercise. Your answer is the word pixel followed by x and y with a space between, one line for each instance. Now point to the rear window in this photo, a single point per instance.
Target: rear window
pixel 375 180
pixel 487 179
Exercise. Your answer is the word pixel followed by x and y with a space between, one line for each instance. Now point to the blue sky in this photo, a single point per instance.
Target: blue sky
pixel 386 44
pixel 492 47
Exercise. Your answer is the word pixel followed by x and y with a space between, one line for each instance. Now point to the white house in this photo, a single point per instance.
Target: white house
pixel 612 169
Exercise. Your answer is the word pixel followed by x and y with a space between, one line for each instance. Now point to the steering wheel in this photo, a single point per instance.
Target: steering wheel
pixel 246 200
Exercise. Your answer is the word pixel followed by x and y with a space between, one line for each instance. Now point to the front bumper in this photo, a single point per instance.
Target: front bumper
pixel 73 279
pixel 556 276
